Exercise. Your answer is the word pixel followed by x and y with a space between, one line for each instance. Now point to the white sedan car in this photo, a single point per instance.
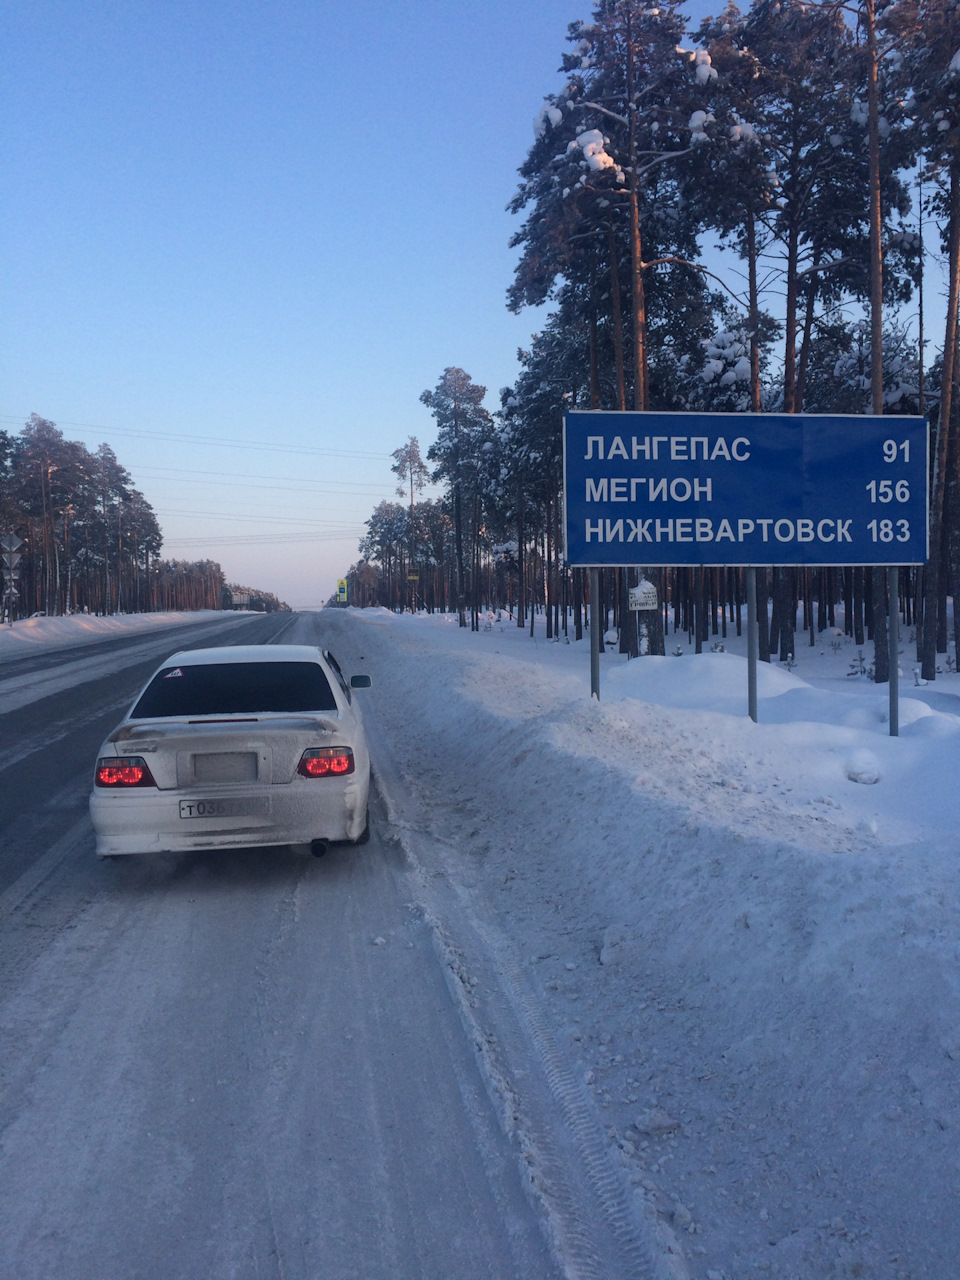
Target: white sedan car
pixel 232 747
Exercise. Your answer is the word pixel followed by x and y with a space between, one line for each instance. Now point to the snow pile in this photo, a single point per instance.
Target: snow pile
pixel 742 132
pixel 746 935
pixel 702 68
pixel 591 143
pixel 723 349
pixel 81 628
pixel 547 115
pixel 697 124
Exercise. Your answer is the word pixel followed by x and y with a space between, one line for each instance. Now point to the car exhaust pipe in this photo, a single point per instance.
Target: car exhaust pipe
pixel 318 848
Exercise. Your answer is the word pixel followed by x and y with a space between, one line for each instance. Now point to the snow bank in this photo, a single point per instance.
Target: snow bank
pixel 80 628
pixel 745 934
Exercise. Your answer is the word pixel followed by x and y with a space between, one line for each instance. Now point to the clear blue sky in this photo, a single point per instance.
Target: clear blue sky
pixel 240 239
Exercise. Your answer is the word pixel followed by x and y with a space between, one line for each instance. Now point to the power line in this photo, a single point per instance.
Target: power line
pixel 225 442
pixel 253 539
pixel 235 519
pixel 227 478
pixel 323 530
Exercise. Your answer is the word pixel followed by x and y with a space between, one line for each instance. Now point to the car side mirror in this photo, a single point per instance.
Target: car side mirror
pixel 360 682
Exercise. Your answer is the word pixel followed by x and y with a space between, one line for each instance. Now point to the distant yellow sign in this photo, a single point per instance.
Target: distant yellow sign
pixel 341 591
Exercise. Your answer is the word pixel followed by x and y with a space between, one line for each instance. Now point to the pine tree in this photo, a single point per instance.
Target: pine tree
pixel 602 179
pixel 928 76
pixel 463 426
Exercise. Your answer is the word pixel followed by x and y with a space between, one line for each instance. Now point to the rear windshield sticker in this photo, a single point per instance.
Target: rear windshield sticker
pixel 175 672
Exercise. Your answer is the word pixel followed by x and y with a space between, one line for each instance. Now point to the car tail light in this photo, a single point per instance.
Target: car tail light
pixel 326 762
pixel 123 772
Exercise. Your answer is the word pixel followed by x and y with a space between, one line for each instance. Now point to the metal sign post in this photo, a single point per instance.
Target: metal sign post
pixel 595 633
pixel 753 642
pixel 893 637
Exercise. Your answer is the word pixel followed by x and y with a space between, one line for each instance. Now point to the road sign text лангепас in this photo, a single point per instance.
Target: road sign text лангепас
pixel 744 489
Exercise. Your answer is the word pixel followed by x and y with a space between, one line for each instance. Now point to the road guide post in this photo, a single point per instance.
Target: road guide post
pixel 10 544
pixel 747 491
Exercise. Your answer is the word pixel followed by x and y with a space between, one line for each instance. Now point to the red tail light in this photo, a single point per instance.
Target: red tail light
pixel 326 762
pixel 123 771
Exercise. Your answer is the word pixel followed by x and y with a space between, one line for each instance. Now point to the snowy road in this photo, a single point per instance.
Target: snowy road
pixel 237 1065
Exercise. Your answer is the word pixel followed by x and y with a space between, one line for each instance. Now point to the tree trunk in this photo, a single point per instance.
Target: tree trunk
pixel 932 574
pixel 458 522
pixel 548 581
pixel 881 653
pixel 594 359
pixel 754 311
pixel 858 575
pixel 636 247
pixel 617 315
pixel 654 620
pixel 790 324
pixel 808 317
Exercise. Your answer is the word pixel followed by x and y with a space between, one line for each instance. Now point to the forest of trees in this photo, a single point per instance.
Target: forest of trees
pixel 731 220
pixel 90 541
pixel 252 599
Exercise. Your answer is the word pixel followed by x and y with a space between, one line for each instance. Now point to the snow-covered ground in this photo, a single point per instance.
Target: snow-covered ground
pixel 746 937
pixel 31 635
pixel 742 940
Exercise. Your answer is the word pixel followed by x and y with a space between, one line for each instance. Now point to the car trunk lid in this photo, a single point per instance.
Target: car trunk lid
pixel 225 752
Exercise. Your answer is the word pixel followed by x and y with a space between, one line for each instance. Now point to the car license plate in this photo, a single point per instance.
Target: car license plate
pixel 227 807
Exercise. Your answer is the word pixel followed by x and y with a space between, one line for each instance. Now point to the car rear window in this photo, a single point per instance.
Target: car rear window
pixel 235 688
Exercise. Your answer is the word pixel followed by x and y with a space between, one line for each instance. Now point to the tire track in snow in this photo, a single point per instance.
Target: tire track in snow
pixel 598 1227
pixel 573 1206
pixel 16 894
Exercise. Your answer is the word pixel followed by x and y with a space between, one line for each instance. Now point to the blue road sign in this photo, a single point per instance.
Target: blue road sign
pixel 744 489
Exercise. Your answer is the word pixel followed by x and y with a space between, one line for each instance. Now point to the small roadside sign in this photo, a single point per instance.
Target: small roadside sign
pixel 643 596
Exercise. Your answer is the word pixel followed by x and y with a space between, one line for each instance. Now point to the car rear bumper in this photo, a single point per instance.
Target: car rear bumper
pixel 228 817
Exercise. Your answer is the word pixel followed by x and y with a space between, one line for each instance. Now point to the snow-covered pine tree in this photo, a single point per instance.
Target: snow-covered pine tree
pixel 927 74
pixel 734 181
pixel 635 104
pixel 463 427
